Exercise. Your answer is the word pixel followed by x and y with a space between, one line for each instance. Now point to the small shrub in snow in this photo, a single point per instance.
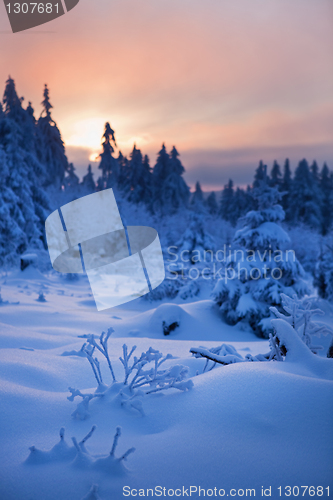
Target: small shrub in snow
pixel 294 350
pixel 41 297
pixel 79 456
pixel 298 313
pixel 139 378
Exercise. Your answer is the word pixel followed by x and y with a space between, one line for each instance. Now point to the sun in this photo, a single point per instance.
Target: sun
pixel 94 157
pixel 87 133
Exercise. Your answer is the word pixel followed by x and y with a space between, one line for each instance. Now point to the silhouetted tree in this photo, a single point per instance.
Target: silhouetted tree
pixel 51 151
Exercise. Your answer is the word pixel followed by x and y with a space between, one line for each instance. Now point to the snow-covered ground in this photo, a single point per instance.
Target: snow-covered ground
pixel 242 427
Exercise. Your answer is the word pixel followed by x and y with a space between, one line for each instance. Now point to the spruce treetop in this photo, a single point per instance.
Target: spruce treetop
pixel 47 106
pixel 12 103
pixel 109 137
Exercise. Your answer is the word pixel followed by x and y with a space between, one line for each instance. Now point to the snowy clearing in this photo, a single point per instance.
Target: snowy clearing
pixel 245 425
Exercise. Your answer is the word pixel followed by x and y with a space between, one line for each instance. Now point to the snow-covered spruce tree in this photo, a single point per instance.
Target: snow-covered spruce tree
pixel 170 191
pixel 191 256
pixel 12 239
pixel 243 201
pixel 88 184
pixel 326 190
pixel 259 271
pixel 51 149
pixel 195 241
pixel 305 203
pixel 123 165
pixel 212 203
pixel 26 201
pixel 227 203
pixel 286 186
pixel 138 185
pixel 197 199
pixel 235 204
pixel 276 176
pixel 71 181
pixel 161 169
pixel 314 169
pixel 260 174
pixel 108 164
pixel 176 192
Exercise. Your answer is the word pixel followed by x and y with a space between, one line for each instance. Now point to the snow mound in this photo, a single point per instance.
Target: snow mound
pixel 167 318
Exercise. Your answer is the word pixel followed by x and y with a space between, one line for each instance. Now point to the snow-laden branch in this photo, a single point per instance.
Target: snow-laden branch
pixel 227 359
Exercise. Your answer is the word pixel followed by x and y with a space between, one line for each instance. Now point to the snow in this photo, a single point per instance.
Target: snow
pixel 245 425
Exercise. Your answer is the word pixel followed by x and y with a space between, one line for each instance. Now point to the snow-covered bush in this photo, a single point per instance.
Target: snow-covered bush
pixel 294 350
pixel 299 314
pixel 139 378
pixel 294 330
pixel 41 296
pixel 259 270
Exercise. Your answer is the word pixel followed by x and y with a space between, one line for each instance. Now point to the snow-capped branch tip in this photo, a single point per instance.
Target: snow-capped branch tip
pixel 90 433
pixel 115 441
pixel 125 455
pixel 115 444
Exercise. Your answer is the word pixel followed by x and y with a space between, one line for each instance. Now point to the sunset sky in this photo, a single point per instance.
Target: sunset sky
pixel 229 82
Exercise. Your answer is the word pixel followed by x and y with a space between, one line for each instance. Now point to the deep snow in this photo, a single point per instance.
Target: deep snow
pixel 242 426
